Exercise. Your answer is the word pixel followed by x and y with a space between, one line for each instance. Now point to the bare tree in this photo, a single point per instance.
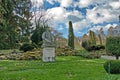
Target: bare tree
pixel 41 17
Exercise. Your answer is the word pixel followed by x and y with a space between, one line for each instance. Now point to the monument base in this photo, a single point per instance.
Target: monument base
pixel 48 54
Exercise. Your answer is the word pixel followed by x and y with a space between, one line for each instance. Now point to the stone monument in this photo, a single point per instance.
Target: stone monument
pixel 48 46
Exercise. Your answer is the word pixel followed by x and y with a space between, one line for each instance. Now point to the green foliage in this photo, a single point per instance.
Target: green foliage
pixel 71 36
pixel 100 39
pixel 37 35
pixel 87 45
pixel 4 46
pixel 97 47
pixel 34 55
pixel 65 51
pixel 112 67
pixel 24 25
pixel 31 56
pixel 92 37
pixel 15 21
pixel 89 55
pixel 27 47
pixel 113 46
pixel 35 46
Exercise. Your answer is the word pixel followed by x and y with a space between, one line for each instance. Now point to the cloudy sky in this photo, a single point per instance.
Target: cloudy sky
pixel 85 14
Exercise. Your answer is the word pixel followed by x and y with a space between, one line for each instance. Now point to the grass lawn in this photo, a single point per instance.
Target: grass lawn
pixel 65 68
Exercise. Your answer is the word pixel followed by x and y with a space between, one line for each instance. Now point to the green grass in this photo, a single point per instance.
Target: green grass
pixel 65 68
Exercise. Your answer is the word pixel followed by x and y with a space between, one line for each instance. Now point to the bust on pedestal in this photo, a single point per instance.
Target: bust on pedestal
pixel 48 46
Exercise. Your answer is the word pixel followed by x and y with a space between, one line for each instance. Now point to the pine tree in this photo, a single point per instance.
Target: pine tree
pixel 14 14
pixel 8 24
pixel 71 36
pixel 24 17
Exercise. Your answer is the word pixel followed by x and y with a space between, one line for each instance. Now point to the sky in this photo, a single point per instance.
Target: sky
pixel 85 14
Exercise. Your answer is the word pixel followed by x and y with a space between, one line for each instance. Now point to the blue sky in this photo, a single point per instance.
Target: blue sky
pixel 85 14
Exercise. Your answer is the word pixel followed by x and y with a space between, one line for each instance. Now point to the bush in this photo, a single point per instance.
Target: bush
pixel 35 45
pixel 65 51
pixel 93 55
pixel 87 45
pixel 97 47
pixel 27 47
pixel 89 55
pixel 113 46
pixel 34 55
pixel 80 52
pixel 112 67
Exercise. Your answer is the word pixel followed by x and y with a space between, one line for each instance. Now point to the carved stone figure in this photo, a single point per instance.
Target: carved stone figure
pixel 48 39
pixel 48 46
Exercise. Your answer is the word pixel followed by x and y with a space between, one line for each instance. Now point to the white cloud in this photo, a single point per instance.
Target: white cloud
pixel 65 3
pixel 115 4
pixel 85 3
pixel 58 13
pixel 81 25
pixel 61 15
pixel 100 15
pixel 110 25
pixel 74 16
pixel 105 28
pixel 104 11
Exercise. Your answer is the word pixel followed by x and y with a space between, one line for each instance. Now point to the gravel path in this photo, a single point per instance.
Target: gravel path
pixel 109 57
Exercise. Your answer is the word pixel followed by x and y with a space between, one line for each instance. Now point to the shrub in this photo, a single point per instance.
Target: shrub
pixel 93 55
pixel 35 45
pixel 65 51
pixel 113 46
pixel 26 47
pixel 35 55
pixel 89 55
pixel 87 45
pixel 112 67
pixel 80 52
pixel 97 47
pixel 32 56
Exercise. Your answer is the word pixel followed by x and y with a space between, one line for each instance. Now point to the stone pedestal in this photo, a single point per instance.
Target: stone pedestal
pixel 48 54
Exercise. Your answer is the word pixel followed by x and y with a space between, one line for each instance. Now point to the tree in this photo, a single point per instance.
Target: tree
pixel 92 36
pixel 102 36
pixel 24 17
pixel 12 17
pixel 71 36
pixel 40 20
pixel 86 44
pixel 100 39
pixel 37 35
pixel 8 24
pixel 113 46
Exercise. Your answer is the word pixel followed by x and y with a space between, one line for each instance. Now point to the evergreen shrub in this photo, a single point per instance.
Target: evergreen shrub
pixel 112 66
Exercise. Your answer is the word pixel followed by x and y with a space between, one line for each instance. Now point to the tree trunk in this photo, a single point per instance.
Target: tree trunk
pixel 117 57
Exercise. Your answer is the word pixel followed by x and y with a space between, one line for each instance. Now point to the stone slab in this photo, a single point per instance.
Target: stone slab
pixel 48 54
